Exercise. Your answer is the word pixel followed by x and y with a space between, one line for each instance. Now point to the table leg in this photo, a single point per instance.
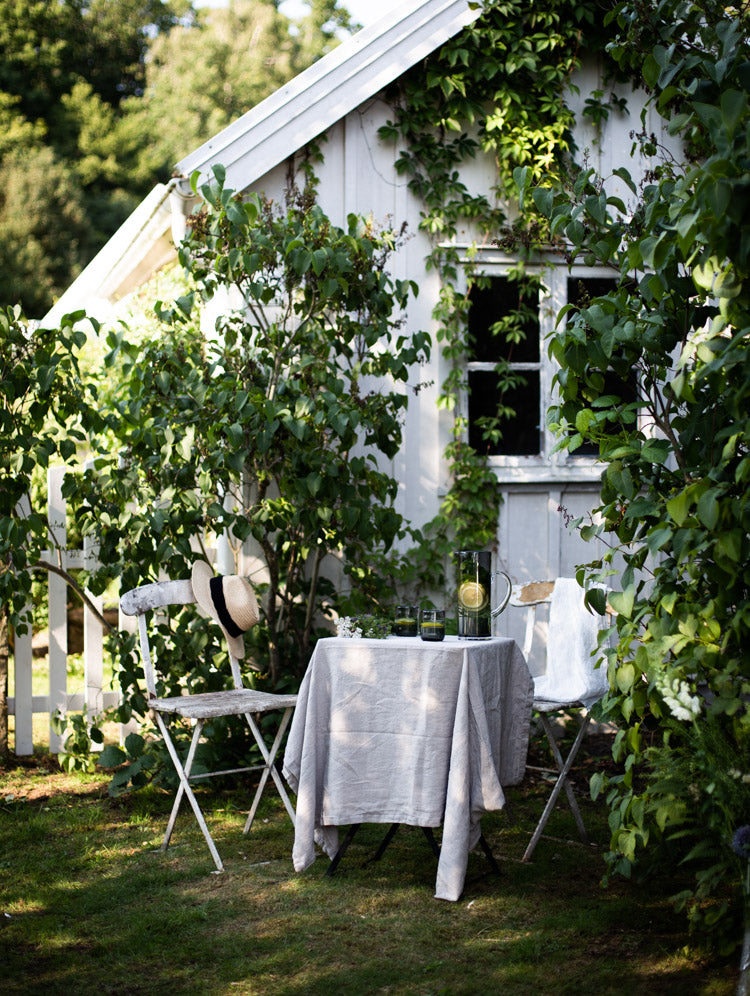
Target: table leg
pixel 427 831
pixel 384 843
pixel 342 848
pixel 489 855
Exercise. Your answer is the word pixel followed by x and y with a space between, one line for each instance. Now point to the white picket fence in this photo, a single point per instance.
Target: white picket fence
pixel 23 705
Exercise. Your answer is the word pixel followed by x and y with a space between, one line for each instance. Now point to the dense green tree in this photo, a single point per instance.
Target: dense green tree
pixel 48 46
pixel 202 76
pixel 675 502
pixel 274 433
pixel 43 227
pixel 101 85
pixel 64 70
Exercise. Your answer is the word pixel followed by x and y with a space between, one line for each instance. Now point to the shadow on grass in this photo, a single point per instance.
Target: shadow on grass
pixel 89 904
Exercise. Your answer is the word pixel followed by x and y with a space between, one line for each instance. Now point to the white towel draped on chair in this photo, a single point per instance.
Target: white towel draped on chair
pixel 571 682
pixel 571 675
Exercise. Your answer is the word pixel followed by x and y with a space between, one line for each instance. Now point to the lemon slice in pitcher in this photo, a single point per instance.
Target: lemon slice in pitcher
pixel 472 596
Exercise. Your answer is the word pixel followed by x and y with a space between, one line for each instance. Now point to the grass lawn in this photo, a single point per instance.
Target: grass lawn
pixel 89 904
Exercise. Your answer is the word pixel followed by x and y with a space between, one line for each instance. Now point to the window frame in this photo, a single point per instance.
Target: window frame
pixel 554 274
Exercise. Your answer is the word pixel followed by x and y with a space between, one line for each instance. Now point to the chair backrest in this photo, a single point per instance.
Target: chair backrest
pixel 529 596
pixel 570 672
pixel 141 601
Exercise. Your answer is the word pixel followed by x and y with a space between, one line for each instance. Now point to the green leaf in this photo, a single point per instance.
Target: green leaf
pixel 544 200
pixel 625 677
pixel 319 260
pixel 656 450
pixel 730 545
pixel 576 233
pixel 708 509
pixel 597 599
pixel 622 602
pixel 625 176
pixel 134 744
pixel 111 757
pixel 679 507
pixel 733 107
pixel 520 175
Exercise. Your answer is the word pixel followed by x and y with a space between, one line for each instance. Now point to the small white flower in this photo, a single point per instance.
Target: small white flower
pixel 678 699
pixel 344 627
pixel 347 629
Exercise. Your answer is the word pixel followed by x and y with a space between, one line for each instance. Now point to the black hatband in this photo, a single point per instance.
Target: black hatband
pixel 217 595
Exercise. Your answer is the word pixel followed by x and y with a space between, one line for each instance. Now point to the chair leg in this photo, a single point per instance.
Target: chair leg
pixel 184 789
pixel 269 756
pixel 559 761
pixel 562 782
pixel 430 835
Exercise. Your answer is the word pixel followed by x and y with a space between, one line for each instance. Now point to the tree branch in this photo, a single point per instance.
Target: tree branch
pixel 44 565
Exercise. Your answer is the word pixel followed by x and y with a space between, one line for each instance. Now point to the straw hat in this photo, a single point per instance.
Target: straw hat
pixel 230 600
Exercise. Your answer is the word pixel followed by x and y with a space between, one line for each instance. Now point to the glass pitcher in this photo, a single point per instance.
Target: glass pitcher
pixel 475 595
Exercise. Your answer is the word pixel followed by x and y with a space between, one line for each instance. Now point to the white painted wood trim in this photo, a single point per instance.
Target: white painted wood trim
pixel 74 702
pixel 24 739
pixel 58 612
pixel 327 91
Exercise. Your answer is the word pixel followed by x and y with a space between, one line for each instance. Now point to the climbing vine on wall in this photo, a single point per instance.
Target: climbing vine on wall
pixel 496 89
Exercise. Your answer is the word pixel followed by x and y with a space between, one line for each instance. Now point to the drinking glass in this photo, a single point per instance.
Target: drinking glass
pixel 432 625
pixel 406 621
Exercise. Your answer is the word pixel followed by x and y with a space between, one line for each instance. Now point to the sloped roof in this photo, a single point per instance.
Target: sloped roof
pixel 267 135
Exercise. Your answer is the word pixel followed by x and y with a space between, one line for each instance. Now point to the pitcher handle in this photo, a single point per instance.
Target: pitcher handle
pixel 499 609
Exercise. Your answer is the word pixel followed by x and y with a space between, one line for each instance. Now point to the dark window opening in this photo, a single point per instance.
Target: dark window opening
pixel 504 321
pixel 504 367
pixel 582 290
pixel 521 433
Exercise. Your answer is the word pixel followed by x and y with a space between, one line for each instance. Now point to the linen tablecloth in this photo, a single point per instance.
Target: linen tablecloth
pixel 405 731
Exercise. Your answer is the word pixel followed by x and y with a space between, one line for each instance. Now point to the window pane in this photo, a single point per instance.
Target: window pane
pixel 516 303
pixel 581 290
pixel 521 435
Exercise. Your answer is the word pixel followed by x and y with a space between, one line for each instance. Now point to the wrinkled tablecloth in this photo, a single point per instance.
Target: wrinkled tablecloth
pixel 406 731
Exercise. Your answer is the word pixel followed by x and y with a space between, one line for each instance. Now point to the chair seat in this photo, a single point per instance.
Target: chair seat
pixel 233 702
pixel 548 705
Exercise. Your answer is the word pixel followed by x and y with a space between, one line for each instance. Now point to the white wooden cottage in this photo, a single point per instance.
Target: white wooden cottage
pixel 341 96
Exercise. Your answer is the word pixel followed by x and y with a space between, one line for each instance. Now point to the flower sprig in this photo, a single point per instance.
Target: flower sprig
pixel 677 697
pixel 364 627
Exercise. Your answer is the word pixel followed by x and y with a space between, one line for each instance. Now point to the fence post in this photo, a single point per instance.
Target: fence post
pixel 58 605
pixel 23 704
pixel 93 642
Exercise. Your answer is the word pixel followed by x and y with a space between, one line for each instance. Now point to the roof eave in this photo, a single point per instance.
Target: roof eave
pixel 327 91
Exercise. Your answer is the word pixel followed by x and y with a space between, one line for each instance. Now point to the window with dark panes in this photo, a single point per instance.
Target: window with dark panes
pixel 581 291
pixel 504 366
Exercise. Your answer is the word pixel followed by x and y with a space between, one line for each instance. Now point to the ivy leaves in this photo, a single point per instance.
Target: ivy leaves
pixel 496 88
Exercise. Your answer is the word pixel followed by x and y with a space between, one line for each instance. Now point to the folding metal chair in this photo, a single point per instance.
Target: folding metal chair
pixel 202 707
pixel 572 686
